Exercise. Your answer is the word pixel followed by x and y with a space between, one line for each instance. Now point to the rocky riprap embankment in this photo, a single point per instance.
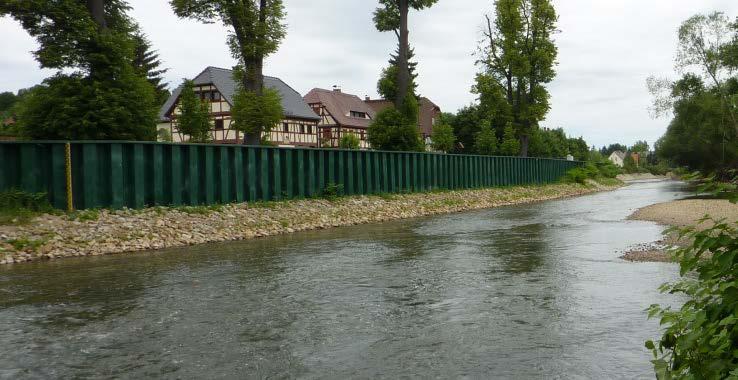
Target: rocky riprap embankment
pixel 108 231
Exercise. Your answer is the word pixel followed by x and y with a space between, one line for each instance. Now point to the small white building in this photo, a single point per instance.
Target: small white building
pixel 618 158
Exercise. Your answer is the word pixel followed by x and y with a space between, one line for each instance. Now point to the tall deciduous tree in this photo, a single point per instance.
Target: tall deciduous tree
pixel 103 97
pixel 518 59
pixel 703 40
pixel 256 31
pixel 392 16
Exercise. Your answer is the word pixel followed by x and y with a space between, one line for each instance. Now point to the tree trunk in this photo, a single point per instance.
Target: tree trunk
pixel 524 143
pixel 253 79
pixel 97 12
pixel 403 71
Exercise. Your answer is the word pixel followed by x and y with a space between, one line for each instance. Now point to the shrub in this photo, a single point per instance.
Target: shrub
pixel 700 339
pixel 510 146
pixel 443 138
pixel 576 175
pixel 19 207
pixel 486 141
pixel 332 191
pixel 390 130
pixel 349 141
pixel 607 169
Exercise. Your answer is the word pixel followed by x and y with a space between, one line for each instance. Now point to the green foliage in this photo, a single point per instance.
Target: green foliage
pixel 387 84
pixel 256 29
pixel 163 135
pixel 550 143
pixel 148 65
pixel 387 17
pixel 510 145
pixel 578 148
pixel 27 244
pixel 467 124
pixel 486 141
pixel 103 97
pixel 255 32
pixel 7 101
pixel 608 150
pixel 349 141
pixel 703 135
pixel 194 117
pixel 600 171
pixel 390 130
pixel 698 137
pixel 73 107
pixel 332 191
pixel 518 59
pixel 700 340
pixel 84 215
pixel 640 147
pixel 442 137
pixel 254 114
pixel 19 207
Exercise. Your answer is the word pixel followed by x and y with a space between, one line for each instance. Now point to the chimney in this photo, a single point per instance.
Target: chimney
pixel 336 88
pixel 367 98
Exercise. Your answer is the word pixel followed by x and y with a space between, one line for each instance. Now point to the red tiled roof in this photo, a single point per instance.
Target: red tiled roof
pixel 340 105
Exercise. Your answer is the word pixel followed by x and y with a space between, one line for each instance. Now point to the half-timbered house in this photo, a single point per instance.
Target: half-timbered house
pixel 340 114
pixel 217 86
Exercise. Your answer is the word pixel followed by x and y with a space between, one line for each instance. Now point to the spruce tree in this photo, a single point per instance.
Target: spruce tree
pixel 147 63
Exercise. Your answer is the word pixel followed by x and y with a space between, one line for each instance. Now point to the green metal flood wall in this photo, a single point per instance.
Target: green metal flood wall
pixel 138 174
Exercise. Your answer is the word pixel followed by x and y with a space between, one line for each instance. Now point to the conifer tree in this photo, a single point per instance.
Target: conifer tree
pixel 147 63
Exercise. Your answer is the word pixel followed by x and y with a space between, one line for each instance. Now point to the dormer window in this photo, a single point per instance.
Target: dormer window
pixel 358 115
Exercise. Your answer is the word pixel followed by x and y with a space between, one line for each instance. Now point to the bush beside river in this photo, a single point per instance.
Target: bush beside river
pixel 100 232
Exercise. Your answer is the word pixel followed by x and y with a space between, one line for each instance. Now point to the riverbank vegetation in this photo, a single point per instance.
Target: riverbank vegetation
pixel 703 133
pixel 699 339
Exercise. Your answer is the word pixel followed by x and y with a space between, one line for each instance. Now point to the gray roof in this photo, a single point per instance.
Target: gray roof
pixel 292 103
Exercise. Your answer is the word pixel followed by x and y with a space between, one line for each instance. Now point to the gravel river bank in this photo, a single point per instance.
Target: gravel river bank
pixel 102 232
pixel 680 213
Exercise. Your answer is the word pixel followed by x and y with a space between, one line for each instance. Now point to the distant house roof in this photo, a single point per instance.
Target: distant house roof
pixel 379 104
pixel 619 154
pixel 340 105
pixel 222 79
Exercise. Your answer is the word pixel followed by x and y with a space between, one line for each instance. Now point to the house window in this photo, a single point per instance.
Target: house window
pixel 359 115
pixel 216 95
pixel 219 124
pixel 302 128
pixel 285 127
pixel 310 129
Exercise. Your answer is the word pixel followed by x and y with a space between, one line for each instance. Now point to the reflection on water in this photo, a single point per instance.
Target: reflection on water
pixel 528 291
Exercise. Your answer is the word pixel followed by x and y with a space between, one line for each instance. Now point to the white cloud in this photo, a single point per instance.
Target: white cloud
pixel 606 51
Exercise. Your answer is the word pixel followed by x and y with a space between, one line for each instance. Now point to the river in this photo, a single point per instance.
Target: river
pixel 516 292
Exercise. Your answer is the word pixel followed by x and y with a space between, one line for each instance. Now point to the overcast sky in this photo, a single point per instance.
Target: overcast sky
pixel 607 49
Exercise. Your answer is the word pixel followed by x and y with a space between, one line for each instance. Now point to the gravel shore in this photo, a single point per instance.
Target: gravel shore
pixel 104 232
pixel 680 213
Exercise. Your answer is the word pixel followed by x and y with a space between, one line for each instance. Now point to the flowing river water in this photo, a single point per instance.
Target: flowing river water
pixel 516 292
